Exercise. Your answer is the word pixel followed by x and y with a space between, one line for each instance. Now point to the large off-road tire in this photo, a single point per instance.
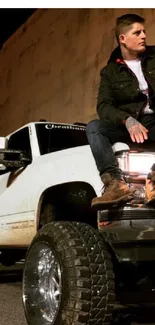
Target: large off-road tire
pixel 68 277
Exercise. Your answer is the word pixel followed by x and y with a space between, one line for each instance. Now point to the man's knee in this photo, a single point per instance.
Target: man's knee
pixel 92 126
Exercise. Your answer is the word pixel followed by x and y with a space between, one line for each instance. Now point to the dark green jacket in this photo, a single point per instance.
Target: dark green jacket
pixel 119 95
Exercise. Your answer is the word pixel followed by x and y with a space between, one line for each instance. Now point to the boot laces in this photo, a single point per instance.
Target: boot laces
pixel 106 185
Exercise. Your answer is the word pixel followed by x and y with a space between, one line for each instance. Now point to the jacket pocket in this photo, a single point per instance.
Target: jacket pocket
pixel 151 73
pixel 123 91
pixel 121 85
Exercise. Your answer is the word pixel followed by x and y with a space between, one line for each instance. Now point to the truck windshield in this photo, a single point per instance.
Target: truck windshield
pixel 55 137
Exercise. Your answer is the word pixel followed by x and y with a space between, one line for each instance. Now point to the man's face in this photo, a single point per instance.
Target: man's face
pixel 134 39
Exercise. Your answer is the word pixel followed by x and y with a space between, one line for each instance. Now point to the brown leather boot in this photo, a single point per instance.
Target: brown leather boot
pixel 150 188
pixel 115 191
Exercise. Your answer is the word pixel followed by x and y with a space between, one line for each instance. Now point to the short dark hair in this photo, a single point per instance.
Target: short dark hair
pixel 126 21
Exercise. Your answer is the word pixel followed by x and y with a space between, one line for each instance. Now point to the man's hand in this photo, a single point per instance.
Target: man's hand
pixel 138 132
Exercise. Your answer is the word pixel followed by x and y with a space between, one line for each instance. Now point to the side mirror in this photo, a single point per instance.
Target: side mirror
pixel 13 159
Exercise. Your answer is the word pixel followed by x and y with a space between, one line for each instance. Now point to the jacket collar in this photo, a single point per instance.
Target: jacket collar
pixel 116 55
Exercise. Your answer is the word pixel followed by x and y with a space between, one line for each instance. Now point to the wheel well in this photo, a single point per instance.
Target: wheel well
pixel 70 202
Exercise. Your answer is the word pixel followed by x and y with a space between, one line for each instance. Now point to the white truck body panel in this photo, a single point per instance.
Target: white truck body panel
pixel 19 201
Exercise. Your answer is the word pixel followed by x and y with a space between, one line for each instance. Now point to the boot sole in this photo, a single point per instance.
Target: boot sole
pixel 107 204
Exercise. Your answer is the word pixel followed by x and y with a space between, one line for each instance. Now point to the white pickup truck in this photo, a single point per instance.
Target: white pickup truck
pixel 82 267
pixel 48 178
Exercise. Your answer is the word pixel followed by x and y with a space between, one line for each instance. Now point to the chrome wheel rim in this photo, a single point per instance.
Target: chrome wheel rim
pixel 42 285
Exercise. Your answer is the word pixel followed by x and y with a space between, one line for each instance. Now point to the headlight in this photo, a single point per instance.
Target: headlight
pixel 135 162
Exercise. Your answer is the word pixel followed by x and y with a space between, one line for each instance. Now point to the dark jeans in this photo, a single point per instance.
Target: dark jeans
pixel 102 135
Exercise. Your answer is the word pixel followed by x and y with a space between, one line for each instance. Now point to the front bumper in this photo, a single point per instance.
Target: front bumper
pixel 130 231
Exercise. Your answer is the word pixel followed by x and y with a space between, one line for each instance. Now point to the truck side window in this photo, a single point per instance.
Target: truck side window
pixel 20 141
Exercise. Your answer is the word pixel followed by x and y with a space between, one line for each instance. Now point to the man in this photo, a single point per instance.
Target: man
pixel 126 107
